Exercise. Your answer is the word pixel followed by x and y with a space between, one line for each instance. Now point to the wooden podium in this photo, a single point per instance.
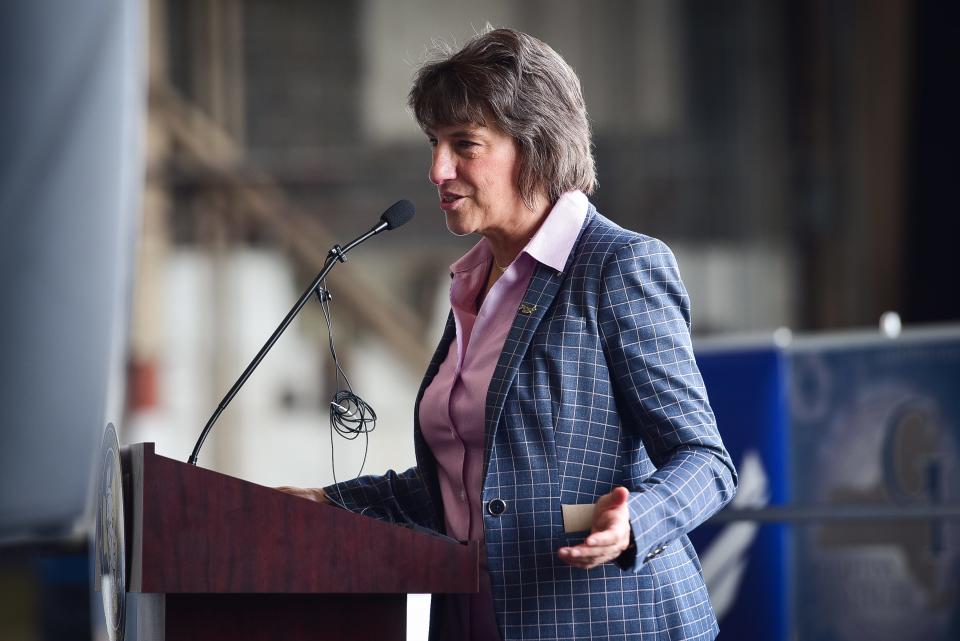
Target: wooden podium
pixel 214 557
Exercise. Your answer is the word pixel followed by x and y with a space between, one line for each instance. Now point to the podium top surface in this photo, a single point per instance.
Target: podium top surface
pixel 199 531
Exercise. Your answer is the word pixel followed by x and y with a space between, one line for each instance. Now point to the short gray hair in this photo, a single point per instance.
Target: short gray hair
pixel 528 91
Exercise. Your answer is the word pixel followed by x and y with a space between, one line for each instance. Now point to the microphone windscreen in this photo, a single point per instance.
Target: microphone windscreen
pixel 399 213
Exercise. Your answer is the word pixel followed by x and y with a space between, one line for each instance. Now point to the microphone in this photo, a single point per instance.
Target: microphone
pixel 399 213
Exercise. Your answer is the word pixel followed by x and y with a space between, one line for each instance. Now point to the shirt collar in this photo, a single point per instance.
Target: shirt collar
pixel 550 245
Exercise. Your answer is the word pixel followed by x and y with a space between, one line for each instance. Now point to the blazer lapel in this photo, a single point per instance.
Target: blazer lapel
pixel 425 459
pixel 538 298
pixel 536 301
pixel 439 355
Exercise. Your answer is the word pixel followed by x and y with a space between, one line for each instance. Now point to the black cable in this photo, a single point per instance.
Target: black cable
pixel 350 415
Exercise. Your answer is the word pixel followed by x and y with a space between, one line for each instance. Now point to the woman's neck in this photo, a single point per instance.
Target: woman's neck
pixel 506 243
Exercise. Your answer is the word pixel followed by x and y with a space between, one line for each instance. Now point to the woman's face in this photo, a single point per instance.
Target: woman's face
pixel 475 169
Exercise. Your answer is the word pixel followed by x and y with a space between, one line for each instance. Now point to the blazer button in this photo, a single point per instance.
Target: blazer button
pixel 497 507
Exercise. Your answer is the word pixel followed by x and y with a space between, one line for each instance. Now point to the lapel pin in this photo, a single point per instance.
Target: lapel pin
pixel 526 310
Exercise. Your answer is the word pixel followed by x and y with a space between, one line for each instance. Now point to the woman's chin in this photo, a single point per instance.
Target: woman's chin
pixel 457 226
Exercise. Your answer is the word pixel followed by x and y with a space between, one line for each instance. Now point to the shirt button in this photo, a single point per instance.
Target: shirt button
pixel 463 495
pixel 496 507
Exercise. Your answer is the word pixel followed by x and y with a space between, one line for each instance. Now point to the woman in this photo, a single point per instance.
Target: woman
pixel 562 420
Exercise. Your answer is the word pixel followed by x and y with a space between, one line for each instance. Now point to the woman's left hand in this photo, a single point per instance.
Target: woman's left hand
pixel 609 536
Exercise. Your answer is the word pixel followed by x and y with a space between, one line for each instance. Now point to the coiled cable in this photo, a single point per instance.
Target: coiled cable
pixel 350 415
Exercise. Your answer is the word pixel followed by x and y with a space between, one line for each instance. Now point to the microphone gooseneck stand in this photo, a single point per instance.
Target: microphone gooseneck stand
pixel 397 215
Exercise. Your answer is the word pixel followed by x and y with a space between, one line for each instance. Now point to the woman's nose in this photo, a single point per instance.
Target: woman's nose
pixel 442 167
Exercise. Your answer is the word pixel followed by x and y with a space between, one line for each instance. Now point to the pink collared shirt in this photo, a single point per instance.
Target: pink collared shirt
pixel 453 407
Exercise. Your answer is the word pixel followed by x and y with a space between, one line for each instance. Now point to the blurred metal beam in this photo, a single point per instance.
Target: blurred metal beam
pixel 265 201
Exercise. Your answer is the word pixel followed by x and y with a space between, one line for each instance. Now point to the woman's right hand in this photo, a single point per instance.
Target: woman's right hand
pixel 312 493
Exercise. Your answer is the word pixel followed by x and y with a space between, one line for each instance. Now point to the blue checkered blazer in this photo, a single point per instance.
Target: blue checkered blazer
pixel 596 387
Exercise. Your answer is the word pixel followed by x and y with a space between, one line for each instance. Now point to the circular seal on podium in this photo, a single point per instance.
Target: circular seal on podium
pixel 110 566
